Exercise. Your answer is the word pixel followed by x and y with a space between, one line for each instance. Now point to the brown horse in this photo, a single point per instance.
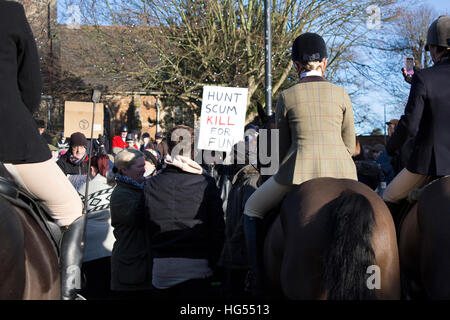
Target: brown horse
pixel 332 238
pixel 424 243
pixel 29 267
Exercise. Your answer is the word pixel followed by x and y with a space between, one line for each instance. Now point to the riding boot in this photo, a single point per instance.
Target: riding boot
pixel 72 249
pixel 252 228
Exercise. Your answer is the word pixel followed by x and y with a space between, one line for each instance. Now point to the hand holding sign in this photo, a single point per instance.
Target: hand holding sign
pixel 222 118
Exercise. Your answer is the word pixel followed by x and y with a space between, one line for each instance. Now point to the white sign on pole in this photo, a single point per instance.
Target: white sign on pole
pixel 222 119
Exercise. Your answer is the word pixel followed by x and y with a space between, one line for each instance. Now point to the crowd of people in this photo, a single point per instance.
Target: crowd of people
pixel 157 225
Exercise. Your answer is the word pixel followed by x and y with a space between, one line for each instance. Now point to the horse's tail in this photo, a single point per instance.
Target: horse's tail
pixel 350 253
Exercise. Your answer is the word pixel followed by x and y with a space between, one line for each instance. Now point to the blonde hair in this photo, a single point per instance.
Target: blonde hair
pixel 309 65
pixel 123 160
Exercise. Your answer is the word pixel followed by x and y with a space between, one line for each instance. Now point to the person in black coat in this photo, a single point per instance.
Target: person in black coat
pixel 131 261
pixel 23 151
pixel 75 160
pixel 185 209
pixel 426 116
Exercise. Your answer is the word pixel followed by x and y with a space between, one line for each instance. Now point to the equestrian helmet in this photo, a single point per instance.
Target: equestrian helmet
pixel 439 33
pixel 123 128
pixel 309 47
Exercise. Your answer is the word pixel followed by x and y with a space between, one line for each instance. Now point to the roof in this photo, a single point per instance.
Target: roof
pixel 91 62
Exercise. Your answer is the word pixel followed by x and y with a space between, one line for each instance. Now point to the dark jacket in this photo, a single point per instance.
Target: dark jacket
pixel 401 157
pixel 20 89
pixel 245 182
pixel 149 145
pixel 222 175
pixel 162 148
pixel 131 267
pixel 384 160
pixel 369 172
pixel 427 117
pixel 186 210
pixel 69 168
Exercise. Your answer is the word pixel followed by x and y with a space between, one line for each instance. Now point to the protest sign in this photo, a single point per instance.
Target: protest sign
pixel 222 119
pixel 78 118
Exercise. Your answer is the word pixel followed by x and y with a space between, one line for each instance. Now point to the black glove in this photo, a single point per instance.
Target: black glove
pixel 101 140
pixel 101 151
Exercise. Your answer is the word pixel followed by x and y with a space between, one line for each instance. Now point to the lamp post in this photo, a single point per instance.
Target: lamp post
pixel 158 104
pixel 96 99
pixel 385 124
pixel 47 99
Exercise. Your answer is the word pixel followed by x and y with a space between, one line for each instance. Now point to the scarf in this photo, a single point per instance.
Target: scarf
pixel 76 161
pixel 130 181
pixel 184 163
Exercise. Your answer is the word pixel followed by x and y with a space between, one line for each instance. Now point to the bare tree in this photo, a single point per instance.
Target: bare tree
pixel 403 36
pixel 175 48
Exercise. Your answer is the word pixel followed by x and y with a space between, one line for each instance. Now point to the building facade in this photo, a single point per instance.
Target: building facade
pixel 70 72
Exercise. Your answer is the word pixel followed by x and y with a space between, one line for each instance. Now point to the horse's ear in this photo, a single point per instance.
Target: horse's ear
pixel 262 115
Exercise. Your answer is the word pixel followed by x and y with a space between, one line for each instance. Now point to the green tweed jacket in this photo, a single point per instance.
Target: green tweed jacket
pixel 317 133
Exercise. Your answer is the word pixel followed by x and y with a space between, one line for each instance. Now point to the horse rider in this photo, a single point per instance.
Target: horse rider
pixel 426 116
pixel 119 142
pixel 24 153
pixel 316 138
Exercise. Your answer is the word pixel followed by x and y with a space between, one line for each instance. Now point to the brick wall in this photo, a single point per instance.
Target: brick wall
pixel 145 109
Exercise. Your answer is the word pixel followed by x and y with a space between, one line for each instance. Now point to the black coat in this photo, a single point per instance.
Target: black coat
pixel 186 212
pixel 20 89
pixel 245 182
pixel 131 264
pixel 69 168
pixel 427 117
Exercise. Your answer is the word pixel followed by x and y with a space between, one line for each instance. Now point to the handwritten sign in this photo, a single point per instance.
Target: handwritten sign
pixel 78 118
pixel 222 118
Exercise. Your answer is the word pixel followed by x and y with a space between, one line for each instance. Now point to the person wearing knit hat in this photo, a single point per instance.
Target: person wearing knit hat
pixel 78 139
pixel 75 162
pixel 310 115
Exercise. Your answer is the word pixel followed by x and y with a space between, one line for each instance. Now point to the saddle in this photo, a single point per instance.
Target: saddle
pixel 411 200
pixel 67 242
pixel 37 210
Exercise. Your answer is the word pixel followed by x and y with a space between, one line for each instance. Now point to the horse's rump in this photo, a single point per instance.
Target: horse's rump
pixel 306 231
pixel 425 240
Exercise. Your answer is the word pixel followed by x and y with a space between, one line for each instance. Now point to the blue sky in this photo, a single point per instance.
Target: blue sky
pixel 377 99
pixel 440 4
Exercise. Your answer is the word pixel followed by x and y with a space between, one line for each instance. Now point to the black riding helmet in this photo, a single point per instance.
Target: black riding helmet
pixel 309 47
pixel 439 33
pixel 123 128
